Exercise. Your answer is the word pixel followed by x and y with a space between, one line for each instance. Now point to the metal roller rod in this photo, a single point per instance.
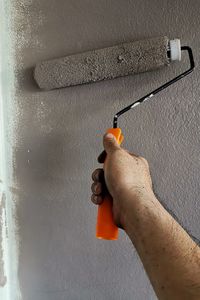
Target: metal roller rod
pixel 156 91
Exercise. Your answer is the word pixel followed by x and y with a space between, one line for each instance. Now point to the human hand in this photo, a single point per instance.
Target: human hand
pixel 125 178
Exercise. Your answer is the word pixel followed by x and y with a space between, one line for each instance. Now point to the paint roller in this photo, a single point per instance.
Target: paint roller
pixel 108 63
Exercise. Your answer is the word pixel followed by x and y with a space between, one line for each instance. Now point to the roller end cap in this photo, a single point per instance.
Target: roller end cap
pixel 175 49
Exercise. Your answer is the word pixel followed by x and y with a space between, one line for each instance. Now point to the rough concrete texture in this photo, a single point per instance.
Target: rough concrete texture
pixel 107 63
pixel 59 135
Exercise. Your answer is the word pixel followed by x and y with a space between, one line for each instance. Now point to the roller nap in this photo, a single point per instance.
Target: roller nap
pixel 101 64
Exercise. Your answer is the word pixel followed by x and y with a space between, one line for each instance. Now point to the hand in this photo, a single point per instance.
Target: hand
pixel 125 177
pixel 156 236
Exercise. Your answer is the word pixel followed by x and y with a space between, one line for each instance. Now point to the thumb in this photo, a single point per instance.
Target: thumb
pixel 110 143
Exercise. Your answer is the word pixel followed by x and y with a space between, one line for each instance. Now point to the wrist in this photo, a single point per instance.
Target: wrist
pixel 137 206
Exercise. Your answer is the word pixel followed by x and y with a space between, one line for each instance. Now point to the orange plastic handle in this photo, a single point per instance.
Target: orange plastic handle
pixel 106 228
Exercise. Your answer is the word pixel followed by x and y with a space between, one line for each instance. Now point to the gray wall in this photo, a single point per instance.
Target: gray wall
pixel 59 135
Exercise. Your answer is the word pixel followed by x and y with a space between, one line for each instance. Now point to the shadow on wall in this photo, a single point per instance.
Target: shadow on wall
pixel 25 80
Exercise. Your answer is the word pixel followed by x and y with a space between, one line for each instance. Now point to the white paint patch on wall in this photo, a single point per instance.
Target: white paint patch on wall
pixel 9 288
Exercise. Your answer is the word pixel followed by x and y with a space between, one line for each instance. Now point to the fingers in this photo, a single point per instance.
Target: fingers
pixel 102 157
pixel 96 199
pixel 110 143
pixel 98 186
pixel 97 190
pixel 98 175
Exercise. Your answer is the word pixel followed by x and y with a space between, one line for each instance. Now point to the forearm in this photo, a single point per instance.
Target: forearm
pixel 170 257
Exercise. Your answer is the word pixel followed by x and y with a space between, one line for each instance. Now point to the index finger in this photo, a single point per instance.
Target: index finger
pixel 102 157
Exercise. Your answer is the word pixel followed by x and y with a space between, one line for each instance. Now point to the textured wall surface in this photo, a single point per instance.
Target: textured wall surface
pixel 59 135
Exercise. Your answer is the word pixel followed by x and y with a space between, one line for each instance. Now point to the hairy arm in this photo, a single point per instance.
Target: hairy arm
pixel 170 257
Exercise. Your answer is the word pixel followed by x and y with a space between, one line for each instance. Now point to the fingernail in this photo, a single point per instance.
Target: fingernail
pixel 109 135
pixel 95 198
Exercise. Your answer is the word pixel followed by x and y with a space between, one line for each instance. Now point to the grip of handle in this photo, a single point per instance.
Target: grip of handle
pixel 106 228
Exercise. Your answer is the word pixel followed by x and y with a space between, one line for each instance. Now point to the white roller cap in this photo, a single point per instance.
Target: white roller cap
pixel 175 49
